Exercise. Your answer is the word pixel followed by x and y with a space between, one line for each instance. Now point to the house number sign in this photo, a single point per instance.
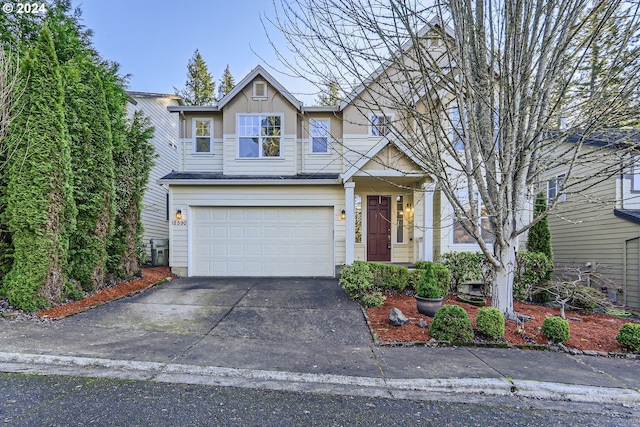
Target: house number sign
pixel 179 222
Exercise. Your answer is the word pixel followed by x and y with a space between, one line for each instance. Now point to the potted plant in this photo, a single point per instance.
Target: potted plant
pixel 429 293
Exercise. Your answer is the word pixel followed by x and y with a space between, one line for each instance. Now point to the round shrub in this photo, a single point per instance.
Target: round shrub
pixel 629 336
pixel 373 299
pixel 490 322
pixel 556 329
pixel 451 323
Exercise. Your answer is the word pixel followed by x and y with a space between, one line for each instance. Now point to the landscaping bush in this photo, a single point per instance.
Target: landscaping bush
pixel 490 322
pixel 373 299
pixel 428 286
pixel 629 336
pixel 556 329
pixel 468 267
pixel 389 277
pixel 356 279
pixel 436 271
pixel 452 323
pixel 532 269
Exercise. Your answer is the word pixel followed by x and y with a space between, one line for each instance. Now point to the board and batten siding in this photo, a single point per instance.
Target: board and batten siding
pixel 165 142
pixel 184 197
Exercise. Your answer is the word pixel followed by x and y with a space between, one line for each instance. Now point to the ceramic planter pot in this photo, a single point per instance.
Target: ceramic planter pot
pixel 428 306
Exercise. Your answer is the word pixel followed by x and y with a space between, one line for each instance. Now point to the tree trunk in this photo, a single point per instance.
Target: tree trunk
pixel 502 292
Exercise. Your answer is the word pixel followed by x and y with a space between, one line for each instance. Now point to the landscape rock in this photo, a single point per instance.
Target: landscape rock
pixel 422 324
pixel 397 318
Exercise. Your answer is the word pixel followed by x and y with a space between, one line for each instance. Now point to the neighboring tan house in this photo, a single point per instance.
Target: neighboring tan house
pixel 266 186
pixel 155 212
pixel 597 228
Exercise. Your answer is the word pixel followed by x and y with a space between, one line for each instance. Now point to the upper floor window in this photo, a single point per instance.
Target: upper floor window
pixel 319 132
pixel 456 129
pixel 554 189
pixel 259 136
pixel 380 125
pixel 260 90
pixel 462 236
pixel 203 135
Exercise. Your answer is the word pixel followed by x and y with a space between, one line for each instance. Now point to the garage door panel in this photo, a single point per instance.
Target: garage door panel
pixel 262 241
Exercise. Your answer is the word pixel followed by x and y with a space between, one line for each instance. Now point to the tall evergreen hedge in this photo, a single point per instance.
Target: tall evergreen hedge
pixel 40 209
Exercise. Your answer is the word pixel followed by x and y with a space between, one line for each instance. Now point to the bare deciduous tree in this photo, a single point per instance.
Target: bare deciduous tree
pixel 475 87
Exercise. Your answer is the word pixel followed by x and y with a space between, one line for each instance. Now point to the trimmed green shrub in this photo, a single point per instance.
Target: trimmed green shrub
pixel 373 299
pixel 539 238
pixel 468 267
pixel 556 329
pixel 442 276
pixel 428 286
pixel 356 279
pixel 421 265
pixel 452 323
pixel 490 322
pixel 389 276
pixel 532 269
pixel 629 336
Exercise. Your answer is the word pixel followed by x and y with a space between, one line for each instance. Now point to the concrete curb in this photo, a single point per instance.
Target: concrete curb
pixel 444 389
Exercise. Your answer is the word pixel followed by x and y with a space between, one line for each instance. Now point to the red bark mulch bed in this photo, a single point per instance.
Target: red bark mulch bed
pixel 150 277
pixel 592 331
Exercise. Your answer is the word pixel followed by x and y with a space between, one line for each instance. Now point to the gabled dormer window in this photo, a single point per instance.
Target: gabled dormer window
pixel 259 136
pixel 319 132
pixel 260 91
pixel 202 135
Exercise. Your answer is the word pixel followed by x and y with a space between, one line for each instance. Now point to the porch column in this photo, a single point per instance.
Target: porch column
pixel 427 240
pixel 350 222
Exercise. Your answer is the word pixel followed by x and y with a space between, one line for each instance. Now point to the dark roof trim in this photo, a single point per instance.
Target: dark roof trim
pixel 188 178
pixel 632 215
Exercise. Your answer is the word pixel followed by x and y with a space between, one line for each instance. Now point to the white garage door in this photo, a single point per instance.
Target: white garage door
pixel 262 241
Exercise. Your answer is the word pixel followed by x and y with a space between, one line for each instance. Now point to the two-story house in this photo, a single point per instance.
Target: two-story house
pixel 596 223
pixel 266 186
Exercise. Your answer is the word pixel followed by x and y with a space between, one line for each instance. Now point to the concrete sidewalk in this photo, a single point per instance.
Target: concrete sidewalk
pixel 293 334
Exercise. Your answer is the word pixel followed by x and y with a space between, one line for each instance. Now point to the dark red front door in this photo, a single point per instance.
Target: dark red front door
pixel 378 228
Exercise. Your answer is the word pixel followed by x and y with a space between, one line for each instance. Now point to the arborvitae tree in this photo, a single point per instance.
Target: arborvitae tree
pixel 200 87
pixel 539 239
pixel 92 160
pixel 330 96
pixel 227 82
pixel 40 207
pixel 133 159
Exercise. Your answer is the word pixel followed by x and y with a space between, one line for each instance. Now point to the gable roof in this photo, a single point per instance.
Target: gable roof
pixel 435 22
pixel 357 166
pixel 259 71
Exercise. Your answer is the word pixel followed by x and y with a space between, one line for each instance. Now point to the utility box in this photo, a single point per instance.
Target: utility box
pixel 159 252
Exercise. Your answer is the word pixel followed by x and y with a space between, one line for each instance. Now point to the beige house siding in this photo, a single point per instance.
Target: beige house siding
pixel 309 162
pixel 184 197
pixel 165 143
pixel 189 159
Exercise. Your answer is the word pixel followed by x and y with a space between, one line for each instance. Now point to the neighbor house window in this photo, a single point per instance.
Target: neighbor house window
pixel 380 125
pixel 462 236
pixel 203 135
pixel 319 131
pixel 400 219
pixel 260 90
pixel 259 136
pixel 554 189
pixel 358 222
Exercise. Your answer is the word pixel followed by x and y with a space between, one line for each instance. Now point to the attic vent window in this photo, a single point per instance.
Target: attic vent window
pixel 259 90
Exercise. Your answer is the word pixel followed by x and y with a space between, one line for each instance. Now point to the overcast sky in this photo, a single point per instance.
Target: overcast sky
pixel 153 40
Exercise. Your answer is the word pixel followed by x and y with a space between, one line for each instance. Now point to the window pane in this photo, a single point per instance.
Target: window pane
pixel 400 219
pixel 319 145
pixel 380 125
pixel 487 233
pixel 358 205
pixel 203 145
pixel 203 128
pixel 456 131
pixel 320 128
pixel 460 235
pixel 271 147
pixel 249 126
pixel 249 147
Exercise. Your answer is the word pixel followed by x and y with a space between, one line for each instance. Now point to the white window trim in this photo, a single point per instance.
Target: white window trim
pixel 194 144
pixel 555 180
pixel 320 153
pixel 260 157
pixel 266 91
pixel 372 116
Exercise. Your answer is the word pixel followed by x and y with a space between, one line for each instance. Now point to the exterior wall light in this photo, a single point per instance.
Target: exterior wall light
pixel 343 214
pixel 178 214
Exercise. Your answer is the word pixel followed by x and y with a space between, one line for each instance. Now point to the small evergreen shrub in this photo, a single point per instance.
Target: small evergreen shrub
pixel 629 336
pixel 356 279
pixel 421 265
pixel 428 286
pixel 532 269
pixel 373 299
pixel 439 272
pixel 451 323
pixel 556 329
pixel 490 322
pixel 388 277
